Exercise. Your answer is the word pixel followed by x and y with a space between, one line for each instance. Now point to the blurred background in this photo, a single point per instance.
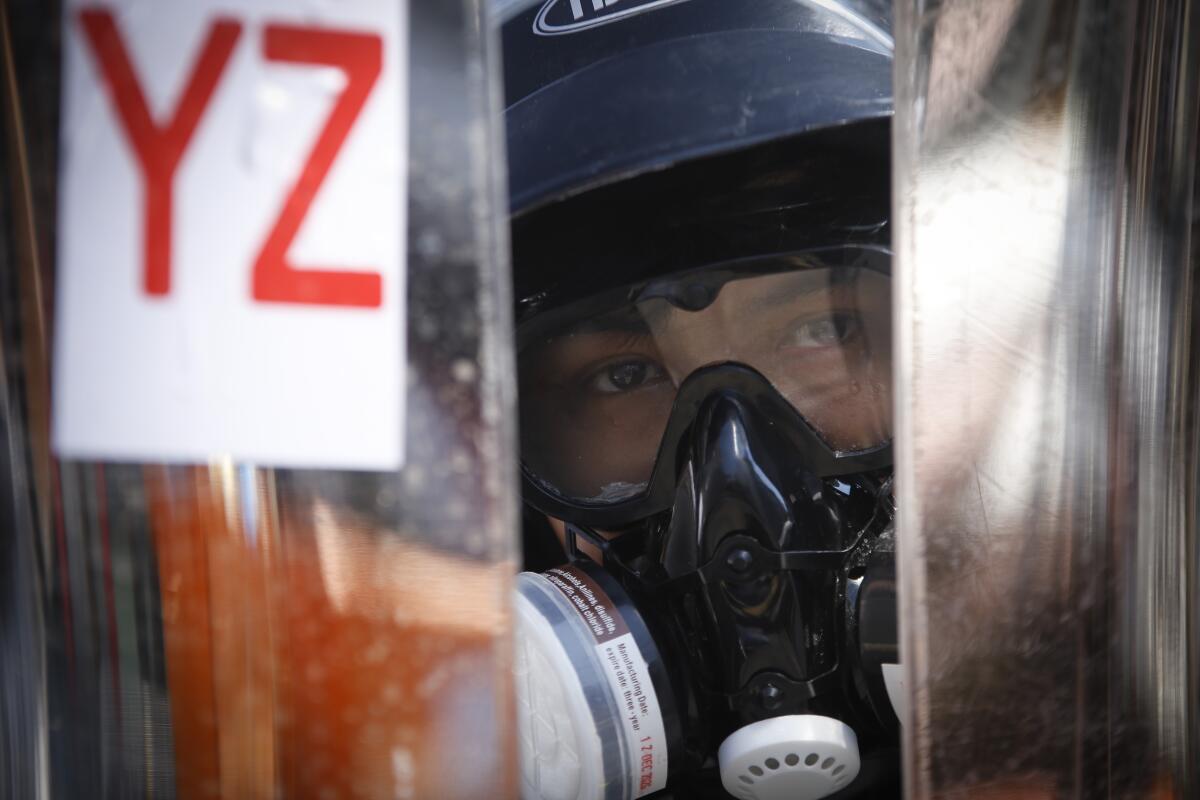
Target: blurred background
pixel 214 593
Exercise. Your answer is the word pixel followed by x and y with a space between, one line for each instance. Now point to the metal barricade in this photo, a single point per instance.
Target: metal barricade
pixel 1050 561
pixel 230 629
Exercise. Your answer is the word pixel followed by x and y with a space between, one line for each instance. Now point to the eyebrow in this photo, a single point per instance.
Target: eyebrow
pixel 786 294
pixel 657 313
pixel 645 317
pixel 627 320
pixel 654 314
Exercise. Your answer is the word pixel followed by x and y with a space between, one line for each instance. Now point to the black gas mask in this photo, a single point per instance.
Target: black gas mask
pixel 717 444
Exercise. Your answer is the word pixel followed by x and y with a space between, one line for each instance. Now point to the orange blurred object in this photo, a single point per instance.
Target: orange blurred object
pixel 313 655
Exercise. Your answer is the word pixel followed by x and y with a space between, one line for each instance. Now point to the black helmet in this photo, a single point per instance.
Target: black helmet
pixel 700 197
pixel 595 96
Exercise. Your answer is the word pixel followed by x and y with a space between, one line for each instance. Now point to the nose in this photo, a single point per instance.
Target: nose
pixel 743 478
pixel 749 480
pixel 740 485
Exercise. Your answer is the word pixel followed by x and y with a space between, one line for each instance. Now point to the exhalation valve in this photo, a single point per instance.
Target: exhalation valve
pixel 794 757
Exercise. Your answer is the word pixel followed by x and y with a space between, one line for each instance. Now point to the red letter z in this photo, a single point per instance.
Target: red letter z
pixel 360 56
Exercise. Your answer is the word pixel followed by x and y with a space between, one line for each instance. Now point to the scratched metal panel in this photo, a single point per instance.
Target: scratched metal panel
pixel 1047 396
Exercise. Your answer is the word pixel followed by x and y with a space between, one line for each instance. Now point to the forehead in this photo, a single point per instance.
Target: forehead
pixel 739 302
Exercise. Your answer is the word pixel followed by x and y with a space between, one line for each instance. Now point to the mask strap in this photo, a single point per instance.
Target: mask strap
pixel 576 532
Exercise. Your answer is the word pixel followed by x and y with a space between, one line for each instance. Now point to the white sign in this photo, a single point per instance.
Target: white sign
pixel 232 232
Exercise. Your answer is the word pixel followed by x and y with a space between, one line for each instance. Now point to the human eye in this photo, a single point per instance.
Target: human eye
pixel 625 375
pixel 829 329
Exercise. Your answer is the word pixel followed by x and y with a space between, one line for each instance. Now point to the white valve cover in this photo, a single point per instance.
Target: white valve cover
pixel 795 757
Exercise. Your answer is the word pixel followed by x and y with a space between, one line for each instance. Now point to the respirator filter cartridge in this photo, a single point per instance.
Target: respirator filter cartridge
pixel 589 716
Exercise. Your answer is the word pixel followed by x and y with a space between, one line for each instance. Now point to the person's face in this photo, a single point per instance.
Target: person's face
pixel 596 397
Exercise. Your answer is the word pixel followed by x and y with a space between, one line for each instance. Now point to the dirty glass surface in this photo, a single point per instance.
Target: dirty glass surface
pixel 1047 397
pixel 228 629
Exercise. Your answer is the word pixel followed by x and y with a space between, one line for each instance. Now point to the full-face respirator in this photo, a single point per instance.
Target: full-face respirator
pixel 729 606
pixel 700 207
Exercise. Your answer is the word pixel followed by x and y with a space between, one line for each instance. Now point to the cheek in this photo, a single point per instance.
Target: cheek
pixel 583 444
pixel 849 403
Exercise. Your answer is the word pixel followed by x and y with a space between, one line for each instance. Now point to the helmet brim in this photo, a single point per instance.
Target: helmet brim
pixel 677 100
